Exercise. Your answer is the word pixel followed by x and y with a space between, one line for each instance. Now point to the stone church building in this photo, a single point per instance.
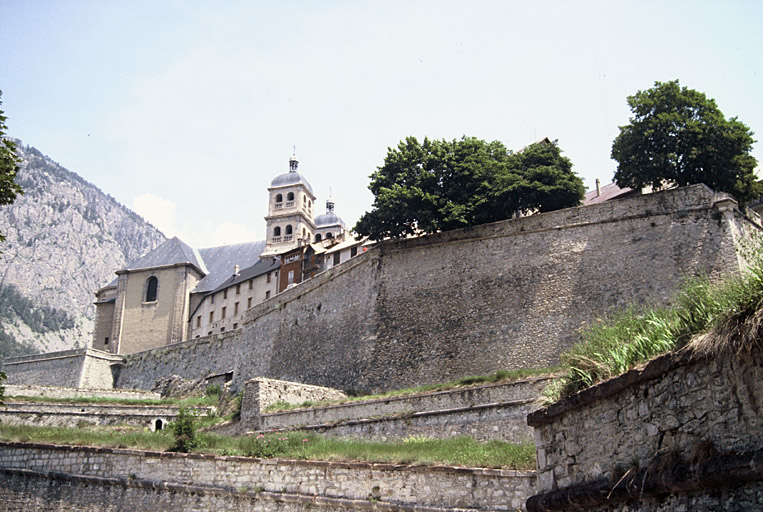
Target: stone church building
pixel 175 292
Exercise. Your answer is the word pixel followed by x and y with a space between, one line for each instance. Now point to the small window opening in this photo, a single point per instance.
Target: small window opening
pixel 158 425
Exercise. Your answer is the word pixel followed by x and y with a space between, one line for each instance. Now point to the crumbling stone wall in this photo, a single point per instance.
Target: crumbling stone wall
pixel 506 295
pixel 680 425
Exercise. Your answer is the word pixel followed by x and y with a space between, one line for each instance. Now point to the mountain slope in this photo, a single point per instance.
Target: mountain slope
pixel 64 240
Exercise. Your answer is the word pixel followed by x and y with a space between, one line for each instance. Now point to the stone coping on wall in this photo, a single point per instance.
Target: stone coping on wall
pixel 327 502
pixel 360 466
pixel 654 369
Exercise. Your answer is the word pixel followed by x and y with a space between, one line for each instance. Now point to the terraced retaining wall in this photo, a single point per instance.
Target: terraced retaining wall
pixel 12 390
pixel 488 411
pixel 36 475
pixel 75 415
pixel 511 294
pixel 679 434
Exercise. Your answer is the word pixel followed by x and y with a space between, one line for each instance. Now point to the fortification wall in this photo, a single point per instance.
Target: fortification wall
pixel 491 411
pixel 64 392
pixel 684 427
pixel 130 478
pixel 506 295
pixel 83 367
pixel 77 415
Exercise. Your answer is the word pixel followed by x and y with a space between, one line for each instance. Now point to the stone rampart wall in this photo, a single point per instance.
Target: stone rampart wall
pixel 84 367
pixel 505 421
pixel 491 411
pixel 76 415
pixel 511 294
pixel 260 392
pixel 679 425
pixel 12 390
pixel 335 486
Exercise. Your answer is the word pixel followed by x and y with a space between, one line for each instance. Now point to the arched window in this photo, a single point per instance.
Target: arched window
pixel 279 198
pixel 304 233
pixel 152 283
pixel 318 237
pixel 277 231
pixel 329 235
pixel 304 199
pixel 290 196
pixel 309 204
pixel 288 229
pixel 158 425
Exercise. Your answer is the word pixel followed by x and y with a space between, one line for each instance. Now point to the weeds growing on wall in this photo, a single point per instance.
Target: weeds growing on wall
pixel 705 317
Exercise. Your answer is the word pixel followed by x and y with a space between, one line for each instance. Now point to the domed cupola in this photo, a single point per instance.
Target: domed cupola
pixel 329 225
pixel 292 177
pixel 290 211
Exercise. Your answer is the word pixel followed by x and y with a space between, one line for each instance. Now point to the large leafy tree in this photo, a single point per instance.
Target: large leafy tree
pixel 679 136
pixel 437 185
pixel 8 166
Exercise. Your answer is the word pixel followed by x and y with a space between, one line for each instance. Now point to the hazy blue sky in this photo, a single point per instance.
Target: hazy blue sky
pixel 185 110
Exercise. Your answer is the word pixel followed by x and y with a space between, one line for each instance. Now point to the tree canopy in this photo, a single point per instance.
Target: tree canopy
pixel 437 185
pixel 679 136
pixel 8 166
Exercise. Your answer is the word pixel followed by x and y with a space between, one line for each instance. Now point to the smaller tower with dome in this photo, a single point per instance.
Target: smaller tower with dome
pixel 329 225
pixel 290 212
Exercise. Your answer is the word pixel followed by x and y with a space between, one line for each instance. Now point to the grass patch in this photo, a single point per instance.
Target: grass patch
pixel 705 317
pixel 499 376
pixel 458 451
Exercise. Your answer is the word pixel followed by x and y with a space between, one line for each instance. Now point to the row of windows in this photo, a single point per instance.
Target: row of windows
pixel 288 230
pixel 290 197
pixel 224 310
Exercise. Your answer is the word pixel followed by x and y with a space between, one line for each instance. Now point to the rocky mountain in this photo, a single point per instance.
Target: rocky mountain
pixel 64 239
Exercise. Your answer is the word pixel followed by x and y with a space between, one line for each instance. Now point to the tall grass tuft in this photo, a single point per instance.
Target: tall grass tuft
pixel 706 317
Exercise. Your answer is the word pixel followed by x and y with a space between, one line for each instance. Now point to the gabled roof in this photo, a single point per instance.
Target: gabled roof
pixel 259 268
pixel 172 252
pixel 606 192
pixel 221 260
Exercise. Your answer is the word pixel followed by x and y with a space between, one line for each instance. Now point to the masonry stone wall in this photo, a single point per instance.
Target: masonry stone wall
pixel 506 295
pixel 12 390
pixel 85 367
pixel 77 415
pixel 260 392
pixel 680 425
pixel 26 468
pixel 489 411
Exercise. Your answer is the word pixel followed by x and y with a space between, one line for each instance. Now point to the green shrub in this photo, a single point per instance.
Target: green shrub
pixel 213 390
pixel 184 430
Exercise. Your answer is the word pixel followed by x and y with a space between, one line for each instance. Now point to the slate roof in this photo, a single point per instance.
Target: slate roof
pixel 173 251
pixel 221 260
pixel 291 178
pixel 259 268
pixel 607 192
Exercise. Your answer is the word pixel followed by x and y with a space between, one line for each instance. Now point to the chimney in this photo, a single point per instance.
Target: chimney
pixel 235 270
pixel 598 187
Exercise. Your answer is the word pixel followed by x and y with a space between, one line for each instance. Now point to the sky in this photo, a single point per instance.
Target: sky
pixel 186 110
